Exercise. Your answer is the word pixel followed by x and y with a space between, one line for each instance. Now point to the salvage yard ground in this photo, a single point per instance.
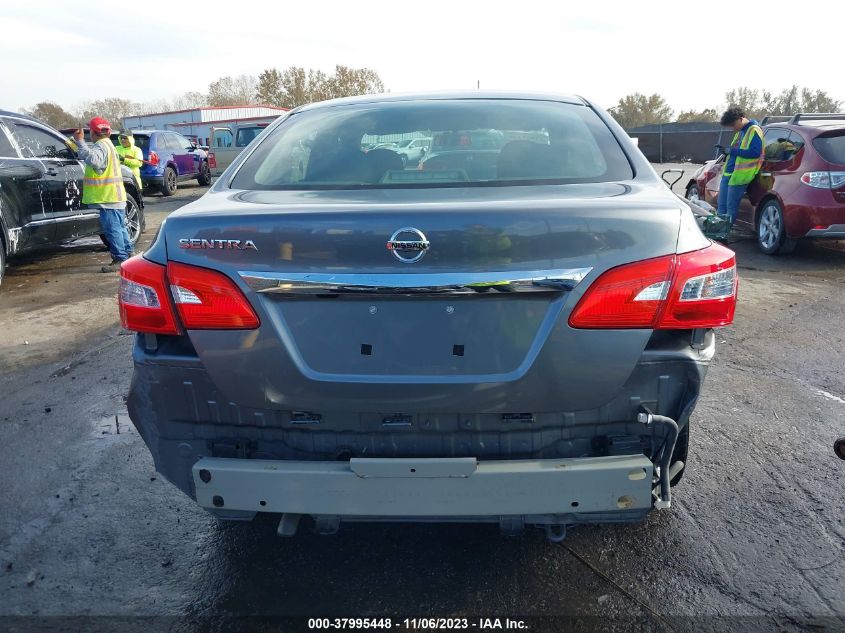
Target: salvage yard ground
pixel 87 527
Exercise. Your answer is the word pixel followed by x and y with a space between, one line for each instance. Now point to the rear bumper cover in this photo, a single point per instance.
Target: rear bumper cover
pixel 453 488
pixel 836 231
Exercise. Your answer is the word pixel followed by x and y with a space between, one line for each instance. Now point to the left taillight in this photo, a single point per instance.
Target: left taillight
pixel 143 298
pixel 208 300
pixel 158 299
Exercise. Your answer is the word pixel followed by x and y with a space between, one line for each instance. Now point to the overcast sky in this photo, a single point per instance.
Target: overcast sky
pixel 70 52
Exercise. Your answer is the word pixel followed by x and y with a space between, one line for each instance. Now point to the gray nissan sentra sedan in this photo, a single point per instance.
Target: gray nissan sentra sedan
pixel 516 332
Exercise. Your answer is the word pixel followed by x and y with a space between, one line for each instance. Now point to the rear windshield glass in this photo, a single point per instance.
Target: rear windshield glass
pixel 142 141
pixel 246 134
pixel 468 142
pixel 831 148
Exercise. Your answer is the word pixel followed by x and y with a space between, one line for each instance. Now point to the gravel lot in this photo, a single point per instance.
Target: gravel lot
pixel 754 540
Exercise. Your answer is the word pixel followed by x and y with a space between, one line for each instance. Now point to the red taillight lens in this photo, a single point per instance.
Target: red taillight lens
pixel 628 296
pixel 153 160
pixel 212 160
pixel 143 298
pixel 209 300
pixel 687 291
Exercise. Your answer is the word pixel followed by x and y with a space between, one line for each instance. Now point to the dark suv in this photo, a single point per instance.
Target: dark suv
pixel 800 191
pixel 41 190
pixel 359 339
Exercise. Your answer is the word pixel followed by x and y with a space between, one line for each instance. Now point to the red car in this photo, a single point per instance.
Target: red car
pixel 800 191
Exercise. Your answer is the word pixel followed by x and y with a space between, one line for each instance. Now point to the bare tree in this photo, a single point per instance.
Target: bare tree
pixel 114 109
pixel 300 86
pixel 758 104
pixel 240 90
pixel 636 109
pixel 270 89
pixel 53 114
pixel 707 115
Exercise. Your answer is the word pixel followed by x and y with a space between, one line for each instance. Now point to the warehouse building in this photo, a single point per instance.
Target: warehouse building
pixel 196 123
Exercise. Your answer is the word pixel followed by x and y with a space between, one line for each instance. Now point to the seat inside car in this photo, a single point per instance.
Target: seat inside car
pixel 380 161
pixel 527 159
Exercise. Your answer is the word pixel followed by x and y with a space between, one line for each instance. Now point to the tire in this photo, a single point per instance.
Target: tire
pixel 204 178
pixel 2 261
pixel 134 220
pixel 168 184
pixel 692 193
pixel 771 230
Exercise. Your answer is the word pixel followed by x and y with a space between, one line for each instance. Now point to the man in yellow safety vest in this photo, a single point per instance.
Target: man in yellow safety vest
pixel 742 160
pixel 102 189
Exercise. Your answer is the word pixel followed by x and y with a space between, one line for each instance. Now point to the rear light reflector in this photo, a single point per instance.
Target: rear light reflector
pixel 824 179
pixel 143 298
pixel 153 160
pixel 687 291
pixel 212 160
pixel 208 300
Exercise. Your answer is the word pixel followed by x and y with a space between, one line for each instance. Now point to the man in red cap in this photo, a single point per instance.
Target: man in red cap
pixel 102 189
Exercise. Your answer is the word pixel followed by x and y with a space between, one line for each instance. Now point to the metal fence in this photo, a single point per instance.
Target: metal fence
pixel 678 147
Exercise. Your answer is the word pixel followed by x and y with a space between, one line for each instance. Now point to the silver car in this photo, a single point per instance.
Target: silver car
pixel 363 340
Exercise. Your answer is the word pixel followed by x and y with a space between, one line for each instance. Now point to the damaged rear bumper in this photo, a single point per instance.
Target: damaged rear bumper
pixel 565 491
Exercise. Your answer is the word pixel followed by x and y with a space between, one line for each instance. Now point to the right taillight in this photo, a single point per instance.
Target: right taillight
pixel 153 159
pixel 212 160
pixel 824 179
pixel 686 291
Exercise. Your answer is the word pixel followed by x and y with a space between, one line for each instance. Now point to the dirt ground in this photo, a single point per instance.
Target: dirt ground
pixel 754 540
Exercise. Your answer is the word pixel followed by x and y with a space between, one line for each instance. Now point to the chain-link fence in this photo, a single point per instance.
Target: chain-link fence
pixel 666 146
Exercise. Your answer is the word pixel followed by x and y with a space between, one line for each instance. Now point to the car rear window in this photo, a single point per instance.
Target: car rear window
pixel 246 134
pixel 831 148
pixel 142 141
pixel 475 142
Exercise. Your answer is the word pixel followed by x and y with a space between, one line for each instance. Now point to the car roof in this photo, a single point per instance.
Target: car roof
pixel 811 129
pixel 436 96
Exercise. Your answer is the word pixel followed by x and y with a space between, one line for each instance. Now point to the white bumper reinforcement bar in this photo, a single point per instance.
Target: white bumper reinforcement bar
pixel 432 487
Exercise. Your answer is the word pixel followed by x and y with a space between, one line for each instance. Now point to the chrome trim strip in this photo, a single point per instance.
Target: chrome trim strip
pixel 557 280
pixel 64 218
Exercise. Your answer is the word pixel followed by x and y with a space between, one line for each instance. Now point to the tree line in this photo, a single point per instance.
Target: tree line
pixel 637 109
pixel 289 88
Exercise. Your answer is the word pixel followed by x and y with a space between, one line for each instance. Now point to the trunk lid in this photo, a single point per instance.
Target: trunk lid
pixel 347 326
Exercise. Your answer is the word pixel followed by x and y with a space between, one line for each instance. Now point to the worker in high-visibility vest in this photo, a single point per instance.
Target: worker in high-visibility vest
pixel 743 160
pixel 130 155
pixel 102 189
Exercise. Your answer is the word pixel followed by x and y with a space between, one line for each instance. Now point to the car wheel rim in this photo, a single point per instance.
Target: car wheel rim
pixel 133 226
pixel 171 180
pixel 769 226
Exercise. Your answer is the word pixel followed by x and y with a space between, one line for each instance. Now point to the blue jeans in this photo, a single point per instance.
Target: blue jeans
pixel 729 198
pixel 113 225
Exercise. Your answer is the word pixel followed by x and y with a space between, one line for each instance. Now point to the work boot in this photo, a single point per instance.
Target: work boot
pixel 113 267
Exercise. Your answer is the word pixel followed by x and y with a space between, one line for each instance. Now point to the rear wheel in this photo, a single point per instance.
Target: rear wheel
pixel 204 178
pixel 771 230
pixel 2 261
pixel 168 185
pixel 134 220
pixel 692 193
